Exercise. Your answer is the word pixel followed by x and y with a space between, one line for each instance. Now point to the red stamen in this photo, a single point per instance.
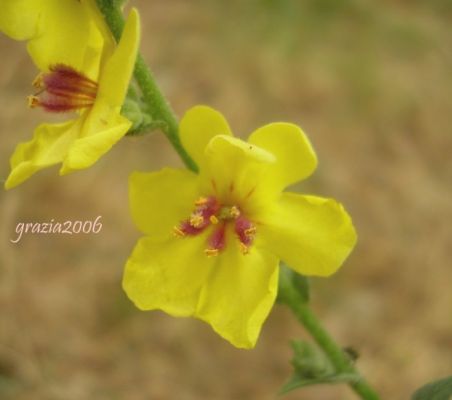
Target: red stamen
pixel 63 89
pixel 186 229
pixel 209 212
pixel 245 230
pixel 216 241
pixel 206 207
pixel 201 218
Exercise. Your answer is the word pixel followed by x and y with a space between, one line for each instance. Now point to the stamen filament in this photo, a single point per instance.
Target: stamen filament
pixel 178 232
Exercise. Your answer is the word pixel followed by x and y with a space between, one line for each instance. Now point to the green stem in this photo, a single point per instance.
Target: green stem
pixel 340 360
pixel 335 353
pixel 154 99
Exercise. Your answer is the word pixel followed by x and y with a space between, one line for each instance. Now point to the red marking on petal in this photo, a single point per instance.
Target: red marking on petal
pixel 250 192
pixel 214 185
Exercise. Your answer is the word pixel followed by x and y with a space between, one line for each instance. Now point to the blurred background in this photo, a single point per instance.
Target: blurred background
pixel 370 82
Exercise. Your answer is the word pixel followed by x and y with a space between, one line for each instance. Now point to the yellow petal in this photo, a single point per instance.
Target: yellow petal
pixel 87 149
pixel 59 31
pixel 295 157
pixel 19 18
pixel 232 292
pixel 49 146
pixel 104 125
pixel 235 171
pixel 310 234
pixel 115 76
pixel 159 201
pixel 100 43
pixel 63 32
pixel 239 294
pixel 197 127
pixel 100 29
pixel 167 274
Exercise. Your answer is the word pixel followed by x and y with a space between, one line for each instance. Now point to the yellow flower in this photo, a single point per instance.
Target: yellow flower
pixel 83 70
pixel 214 240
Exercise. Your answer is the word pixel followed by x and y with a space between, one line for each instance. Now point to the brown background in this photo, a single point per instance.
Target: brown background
pixel 370 82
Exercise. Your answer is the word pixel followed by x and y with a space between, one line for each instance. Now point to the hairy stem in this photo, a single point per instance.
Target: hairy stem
pixel 156 103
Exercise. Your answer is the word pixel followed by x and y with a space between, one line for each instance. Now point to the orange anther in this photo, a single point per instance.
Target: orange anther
pixel 244 248
pixel 32 101
pixel 250 231
pixel 196 220
pixel 201 201
pixel 211 252
pixel 234 212
pixel 38 82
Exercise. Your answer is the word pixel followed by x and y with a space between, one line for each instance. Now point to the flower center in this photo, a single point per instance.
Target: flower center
pixel 63 89
pixel 209 212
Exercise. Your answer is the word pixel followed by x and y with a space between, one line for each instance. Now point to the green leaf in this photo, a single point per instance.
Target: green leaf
pixel 292 284
pixel 438 390
pixel 298 382
pixel 309 360
pixel 312 367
